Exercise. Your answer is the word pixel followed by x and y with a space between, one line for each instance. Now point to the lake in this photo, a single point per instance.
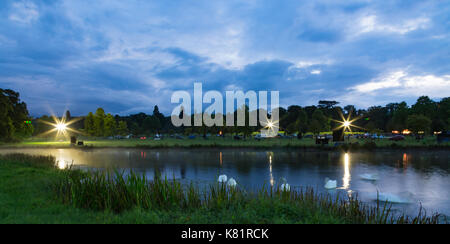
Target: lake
pixel 413 176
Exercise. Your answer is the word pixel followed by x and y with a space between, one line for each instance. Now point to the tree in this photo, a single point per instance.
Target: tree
pixel 419 122
pixel 6 123
pixel 302 122
pixel 158 115
pixel 350 109
pixel 327 104
pixel 377 118
pixel 151 124
pixel 443 113
pixel 399 113
pixel 89 126
pixel 67 115
pixel 99 120
pixel 109 128
pixel 425 106
pixel 122 128
pixel 13 114
pixel 318 122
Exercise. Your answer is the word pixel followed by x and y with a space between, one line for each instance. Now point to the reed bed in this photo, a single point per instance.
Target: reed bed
pixel 29 160
pixel 116 191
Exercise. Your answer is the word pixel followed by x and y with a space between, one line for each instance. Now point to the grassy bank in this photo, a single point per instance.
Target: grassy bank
pixel 307 143
pixel 32 190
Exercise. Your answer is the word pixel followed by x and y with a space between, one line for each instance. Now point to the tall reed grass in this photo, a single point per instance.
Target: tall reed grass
pixel 29 160
pixel 118 192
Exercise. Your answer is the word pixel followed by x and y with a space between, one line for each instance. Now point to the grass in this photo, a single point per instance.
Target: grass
pixel 355 144
pixel 33 190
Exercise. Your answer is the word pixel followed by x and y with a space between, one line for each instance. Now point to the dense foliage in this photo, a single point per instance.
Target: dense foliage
pixel 425 116
pixel 13 117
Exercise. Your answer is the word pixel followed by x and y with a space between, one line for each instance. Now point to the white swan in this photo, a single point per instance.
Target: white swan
pixel 285 187
pixel 369 177
pixel 330 184
pixel 231 182
pixel 222 179
pixel 392 198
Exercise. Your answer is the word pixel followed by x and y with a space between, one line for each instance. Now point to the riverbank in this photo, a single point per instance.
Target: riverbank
pixel 307 143
pixel 33 190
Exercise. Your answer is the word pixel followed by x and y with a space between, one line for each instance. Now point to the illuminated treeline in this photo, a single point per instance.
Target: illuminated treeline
pixel 425 116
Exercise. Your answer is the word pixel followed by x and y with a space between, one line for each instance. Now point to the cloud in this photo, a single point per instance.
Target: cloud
pixel 24 12
pixel 399 85
pixel 316 72
pixel 372 24
pixel 127 57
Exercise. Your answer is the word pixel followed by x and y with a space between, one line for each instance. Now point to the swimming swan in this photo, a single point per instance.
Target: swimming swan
pixel 330 184
pixel 231 182
pixel 285 187
pixel 369 177
pixel 222 179
pixel 393 198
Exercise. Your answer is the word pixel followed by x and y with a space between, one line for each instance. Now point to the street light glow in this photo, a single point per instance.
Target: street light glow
pixel 61 127
pixel 347 123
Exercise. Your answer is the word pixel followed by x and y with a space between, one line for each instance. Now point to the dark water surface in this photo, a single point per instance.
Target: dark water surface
pixel 416 177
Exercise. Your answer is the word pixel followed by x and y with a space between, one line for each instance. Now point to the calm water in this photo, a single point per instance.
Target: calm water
pixel 421 177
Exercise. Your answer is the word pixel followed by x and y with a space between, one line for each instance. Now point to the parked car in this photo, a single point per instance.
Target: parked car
pixel 397 138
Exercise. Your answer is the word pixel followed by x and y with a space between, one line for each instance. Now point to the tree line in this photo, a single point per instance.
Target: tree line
pixel 425 115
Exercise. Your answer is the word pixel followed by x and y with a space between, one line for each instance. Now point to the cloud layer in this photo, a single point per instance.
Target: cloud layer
pixel 127 56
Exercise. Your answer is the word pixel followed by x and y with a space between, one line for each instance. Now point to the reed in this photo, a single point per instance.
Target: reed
pixel 29 160
pixel 118 191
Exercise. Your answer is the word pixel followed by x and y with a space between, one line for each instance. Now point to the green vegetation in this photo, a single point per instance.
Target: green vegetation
pixel 14 120
pixel 32 190
pixel 425 115
pixel 307 143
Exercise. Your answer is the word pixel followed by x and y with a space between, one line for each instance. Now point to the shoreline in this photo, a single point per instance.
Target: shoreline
pixel 428 143
pixel 304 148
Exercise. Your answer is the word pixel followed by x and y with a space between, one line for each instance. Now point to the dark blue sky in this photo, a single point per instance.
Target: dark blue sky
pixel 127 56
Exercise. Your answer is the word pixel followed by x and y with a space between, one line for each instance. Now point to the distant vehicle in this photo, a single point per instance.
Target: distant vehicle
pixel 192 137
pixel 157 137
pixel 179 137
pixel 397 138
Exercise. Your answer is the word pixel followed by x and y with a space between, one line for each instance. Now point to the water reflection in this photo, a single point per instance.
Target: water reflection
pixel 405 161
pixel 347 176
pixel 62 161
pixel 272 181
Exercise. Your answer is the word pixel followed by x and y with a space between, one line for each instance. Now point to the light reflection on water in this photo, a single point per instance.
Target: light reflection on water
pixel 424 175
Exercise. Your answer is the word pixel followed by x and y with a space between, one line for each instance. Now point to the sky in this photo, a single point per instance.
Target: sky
pixel 129 55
